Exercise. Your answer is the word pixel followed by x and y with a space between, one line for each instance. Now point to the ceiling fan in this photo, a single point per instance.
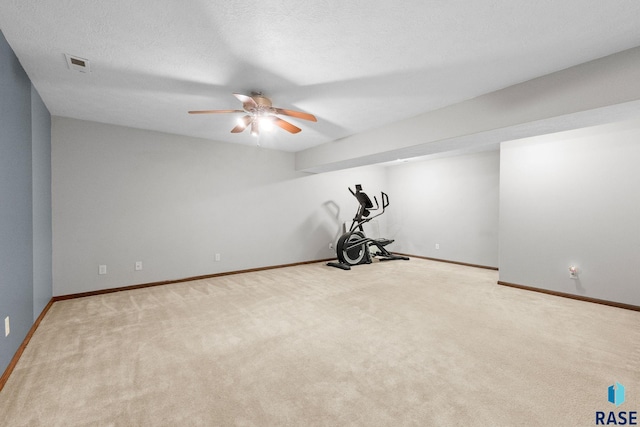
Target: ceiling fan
pixel 261 113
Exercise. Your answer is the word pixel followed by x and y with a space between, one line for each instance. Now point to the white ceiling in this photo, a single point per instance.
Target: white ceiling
pixel 356 65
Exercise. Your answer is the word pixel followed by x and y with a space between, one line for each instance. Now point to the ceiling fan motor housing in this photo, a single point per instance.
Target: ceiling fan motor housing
pixel 262 101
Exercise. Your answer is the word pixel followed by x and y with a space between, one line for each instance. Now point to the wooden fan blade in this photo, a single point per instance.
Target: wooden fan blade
pixel 286 125
pixel 244 122
pixel 296 114
pixel 215 111
pixel 247 102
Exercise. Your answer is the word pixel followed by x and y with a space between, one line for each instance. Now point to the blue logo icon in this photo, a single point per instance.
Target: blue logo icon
pixel 616 394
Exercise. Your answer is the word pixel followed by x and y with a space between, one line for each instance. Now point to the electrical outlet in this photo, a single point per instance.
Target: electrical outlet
pixel 102 269
pixel 217 257
pixel 437 245
pixel 138 265
pixel 7 326
pixel 331 245
pixel 573 272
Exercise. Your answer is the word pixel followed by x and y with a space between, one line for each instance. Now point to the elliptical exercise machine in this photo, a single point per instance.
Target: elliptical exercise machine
pixel 354 247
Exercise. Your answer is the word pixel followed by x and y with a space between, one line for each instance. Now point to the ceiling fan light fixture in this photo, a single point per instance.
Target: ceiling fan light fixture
pixel 266 123
pixel 254 128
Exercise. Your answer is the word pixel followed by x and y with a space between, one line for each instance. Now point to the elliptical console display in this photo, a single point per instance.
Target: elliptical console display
pixel 354 247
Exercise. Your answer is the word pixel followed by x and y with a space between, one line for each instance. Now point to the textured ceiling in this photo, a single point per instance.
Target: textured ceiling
pixel 356 65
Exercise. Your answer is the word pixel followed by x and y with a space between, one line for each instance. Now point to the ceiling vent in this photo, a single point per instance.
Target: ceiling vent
pixel 78 64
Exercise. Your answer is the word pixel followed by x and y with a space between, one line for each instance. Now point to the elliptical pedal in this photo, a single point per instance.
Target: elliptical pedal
pixel 384 242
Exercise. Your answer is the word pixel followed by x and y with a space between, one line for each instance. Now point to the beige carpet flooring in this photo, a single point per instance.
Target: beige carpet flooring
pixel 415 343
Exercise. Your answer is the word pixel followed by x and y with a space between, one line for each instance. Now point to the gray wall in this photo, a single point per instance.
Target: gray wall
pixel 122 195
pixel 41 167
pixel 23 200
pixel 452 202
pixel 572 199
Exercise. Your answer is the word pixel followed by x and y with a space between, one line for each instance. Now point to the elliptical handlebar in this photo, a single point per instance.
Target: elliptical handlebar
pixel 362 216
pixel 385 200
